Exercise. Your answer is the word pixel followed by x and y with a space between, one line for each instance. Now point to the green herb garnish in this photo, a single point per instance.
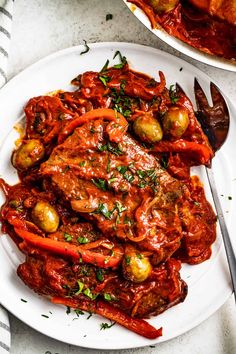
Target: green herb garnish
pixel 109 17
pixel 127 260
pixel 83 240
pixel 99 275
pixel 104 79
pixel 67 237
pixel 129 177
pixel 120 208
pixel 122 169
pixel 107 297
pixel 104 68
pixel 81 286
pixel 87 292
pixel 86 48
pixel 123 60
pixel 100 183
pixel 173 95
pixel 106 325
pixel 102 209
pixel 78 312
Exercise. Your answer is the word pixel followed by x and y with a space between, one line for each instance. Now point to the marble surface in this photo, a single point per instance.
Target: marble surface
pixel 41 27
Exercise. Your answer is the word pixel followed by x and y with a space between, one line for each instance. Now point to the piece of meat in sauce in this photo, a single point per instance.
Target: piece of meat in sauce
pixel 126 193
pixel 120 187
pixel 54 276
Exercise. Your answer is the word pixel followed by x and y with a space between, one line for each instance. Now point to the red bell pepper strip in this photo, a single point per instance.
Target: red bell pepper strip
pixel 69 250
pixel 116 128
pixel 202 153
pixel 104 309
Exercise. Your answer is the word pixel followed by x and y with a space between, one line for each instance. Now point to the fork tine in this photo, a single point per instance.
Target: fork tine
pixel 219 101
pixel 201 100
pixel 214 120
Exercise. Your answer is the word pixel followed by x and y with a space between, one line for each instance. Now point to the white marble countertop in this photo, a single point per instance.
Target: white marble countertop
pixel 41 27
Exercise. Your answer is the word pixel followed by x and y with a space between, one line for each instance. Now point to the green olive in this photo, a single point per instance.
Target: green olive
pixel 148 128
pixel 163 6
pixel 45 216
pixel 28 154
pixel 175 121
pixel 136 267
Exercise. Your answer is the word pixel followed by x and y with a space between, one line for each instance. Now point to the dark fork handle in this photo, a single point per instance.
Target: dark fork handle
pixel 225 234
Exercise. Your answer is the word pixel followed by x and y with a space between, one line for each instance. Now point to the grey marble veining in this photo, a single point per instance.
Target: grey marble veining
pixel 42 27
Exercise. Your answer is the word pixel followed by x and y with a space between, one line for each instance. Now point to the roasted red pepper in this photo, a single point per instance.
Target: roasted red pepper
pixel 101 308
pixel 68 250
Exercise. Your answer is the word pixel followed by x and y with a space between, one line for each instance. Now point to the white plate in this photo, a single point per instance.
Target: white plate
pixel 180 45
pixel 209 284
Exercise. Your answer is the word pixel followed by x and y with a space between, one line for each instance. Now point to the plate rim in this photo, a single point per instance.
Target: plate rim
pixel 125 45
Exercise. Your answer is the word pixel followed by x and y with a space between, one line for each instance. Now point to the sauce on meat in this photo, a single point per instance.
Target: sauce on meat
pixel 104 214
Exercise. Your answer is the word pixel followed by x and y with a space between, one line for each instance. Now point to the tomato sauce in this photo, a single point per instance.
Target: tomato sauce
pixel 105 215
pixel 195 27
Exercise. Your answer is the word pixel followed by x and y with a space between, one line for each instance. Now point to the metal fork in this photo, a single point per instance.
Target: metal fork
pixel 215 122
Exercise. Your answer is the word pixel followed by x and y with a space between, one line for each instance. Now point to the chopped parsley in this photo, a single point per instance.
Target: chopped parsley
pixel 165 161
pixel 129 177
pixel 87 292
pixel 106 325
pixel 82 163
pixel 114 149
pixel 86 48
pixel 108 165
pixel 45 316
pixel 107 297
pixel 67 237
pixel 105 66
pixel 102 209
pixel 127 260
pixel 229 197
pixel 141 174
pixel 23 300
pixel 81 286
pixel 99 275
pixel 122 169
pixel 109 17
pixel 67 310
pixel 78 312
pixel 173 95
pixel 100 183
pixel 112 180
pixel 120 208
pixel 104 79
pixel 83 240
pixel 123 60
pixel 121 103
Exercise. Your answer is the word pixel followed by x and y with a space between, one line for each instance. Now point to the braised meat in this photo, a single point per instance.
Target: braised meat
pixel 49 275
pixel 106 209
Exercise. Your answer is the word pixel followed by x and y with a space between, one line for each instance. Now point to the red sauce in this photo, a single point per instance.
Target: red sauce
pixel 195 27
pixel 112 199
